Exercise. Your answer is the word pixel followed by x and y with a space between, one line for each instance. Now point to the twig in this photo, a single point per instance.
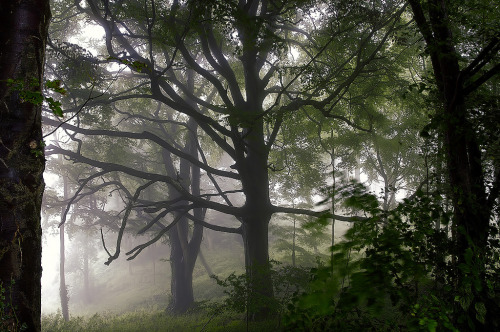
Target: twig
pixel 89 98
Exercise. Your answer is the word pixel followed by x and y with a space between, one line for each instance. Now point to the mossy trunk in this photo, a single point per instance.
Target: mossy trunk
pixel 22 47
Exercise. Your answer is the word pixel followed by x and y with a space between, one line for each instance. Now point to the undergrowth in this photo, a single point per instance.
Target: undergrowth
pixel 203 320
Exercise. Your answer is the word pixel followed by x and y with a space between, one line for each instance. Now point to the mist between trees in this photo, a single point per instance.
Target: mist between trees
pixel 309 165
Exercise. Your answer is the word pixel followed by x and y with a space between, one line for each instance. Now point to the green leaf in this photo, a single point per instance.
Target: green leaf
pixel 32 97
pixel 431 325
pixel 55 85
pixel 55 106
pixel 480 312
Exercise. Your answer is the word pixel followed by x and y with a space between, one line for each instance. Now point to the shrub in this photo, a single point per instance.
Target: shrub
pixel 394 271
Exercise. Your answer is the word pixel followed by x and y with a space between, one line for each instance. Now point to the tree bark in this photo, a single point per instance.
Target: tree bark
pixel 181 283
pixel 471 212
pixel 23 34
pixel 255 181
pixel 258 269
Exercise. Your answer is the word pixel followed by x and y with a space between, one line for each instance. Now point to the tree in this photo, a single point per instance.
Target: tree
pixel 63 289
pixel 238 52
pixel 462 41
pixel 22 40
pixel 392 155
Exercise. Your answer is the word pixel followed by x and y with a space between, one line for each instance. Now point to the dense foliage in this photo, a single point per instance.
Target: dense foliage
pixel 394 271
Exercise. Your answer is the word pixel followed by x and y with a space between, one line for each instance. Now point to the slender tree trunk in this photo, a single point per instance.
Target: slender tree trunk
pixel 63 289
pixel 334 192
pixel 23 33
pixel 86 273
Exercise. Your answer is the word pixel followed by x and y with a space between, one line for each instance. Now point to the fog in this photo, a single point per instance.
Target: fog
pixel 144 283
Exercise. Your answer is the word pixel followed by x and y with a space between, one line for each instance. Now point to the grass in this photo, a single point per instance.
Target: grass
pixel 203 320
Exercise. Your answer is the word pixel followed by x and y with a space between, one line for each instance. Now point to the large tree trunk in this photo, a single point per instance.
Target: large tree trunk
pixel 471 211
pixel 183 254
pixel 182 273
pixel 260 287
pixel 23 34
pixel 255 180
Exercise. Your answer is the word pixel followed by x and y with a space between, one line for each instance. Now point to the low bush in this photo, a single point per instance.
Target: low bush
pixel 394 271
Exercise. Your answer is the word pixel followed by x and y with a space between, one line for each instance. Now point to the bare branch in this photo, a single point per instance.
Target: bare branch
pixel 124 223
pixel 137 250
pixel 148 136
pixel 216 228
pixel 282 209
pixel 109 167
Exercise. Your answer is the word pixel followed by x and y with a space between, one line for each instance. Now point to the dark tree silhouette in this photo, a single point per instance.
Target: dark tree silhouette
pixel 457 83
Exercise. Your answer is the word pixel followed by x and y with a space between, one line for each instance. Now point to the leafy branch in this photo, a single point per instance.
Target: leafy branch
pixel 30 93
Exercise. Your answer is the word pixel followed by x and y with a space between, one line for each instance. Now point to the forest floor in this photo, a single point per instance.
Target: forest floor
pixel 133 296
pixel 151 321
